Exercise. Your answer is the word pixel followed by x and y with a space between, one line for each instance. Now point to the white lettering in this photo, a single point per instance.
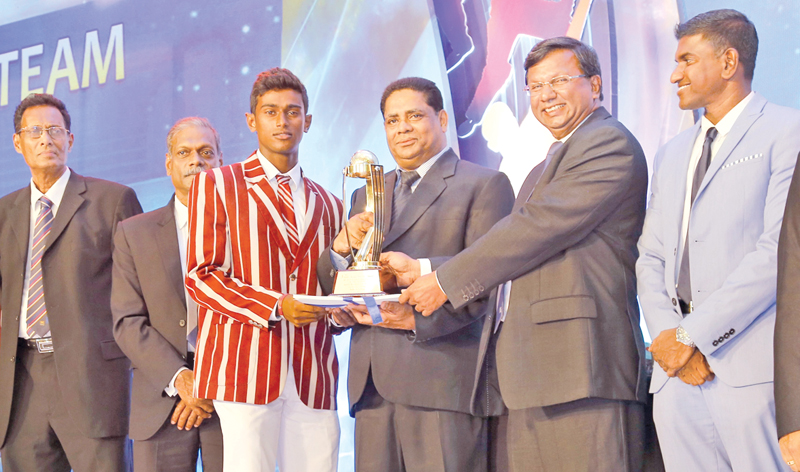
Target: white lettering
pixel 63 49
pixel 5 59
pixel 28 71
pixel 101 64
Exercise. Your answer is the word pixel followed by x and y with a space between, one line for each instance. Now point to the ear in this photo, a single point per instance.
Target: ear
pixel 730 63
pixel 251 121
pixel 443 120
pixel 597 86
pixel 307 123
pixel 168 164
pixel 71 141
pixel 17 143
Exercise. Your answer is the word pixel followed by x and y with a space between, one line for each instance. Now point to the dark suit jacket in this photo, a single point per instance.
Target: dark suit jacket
pixel 76 265
pixel 572 328
pixel 453 205
pixel 149 309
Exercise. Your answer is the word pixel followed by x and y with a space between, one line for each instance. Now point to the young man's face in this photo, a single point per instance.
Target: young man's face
pixel 279 120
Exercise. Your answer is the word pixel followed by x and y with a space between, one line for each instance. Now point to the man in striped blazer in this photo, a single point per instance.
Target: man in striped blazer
pixel 256 230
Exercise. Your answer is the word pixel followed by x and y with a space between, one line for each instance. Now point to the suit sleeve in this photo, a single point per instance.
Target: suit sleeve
pixel 127 206
pixel 209 280
pixel 597 175
pixel 491 204
pixel 787 321
pixel 659 313
pixel 147 349
pixel 749 290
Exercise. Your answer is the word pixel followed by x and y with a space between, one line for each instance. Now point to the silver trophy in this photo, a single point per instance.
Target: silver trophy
pixel 363 275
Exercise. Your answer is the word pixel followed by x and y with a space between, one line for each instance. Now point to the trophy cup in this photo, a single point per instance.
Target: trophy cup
pixel 363 275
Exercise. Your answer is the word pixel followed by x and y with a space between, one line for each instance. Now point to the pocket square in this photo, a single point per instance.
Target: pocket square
pixel 744 159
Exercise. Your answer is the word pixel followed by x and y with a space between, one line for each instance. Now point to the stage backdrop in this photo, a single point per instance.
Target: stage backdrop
pixel 128 69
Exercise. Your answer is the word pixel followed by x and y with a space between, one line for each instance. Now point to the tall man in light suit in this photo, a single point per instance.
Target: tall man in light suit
pixel 155 322
pixel 256 231
pixel 708 254
pixel 420 387
pixel 64 382
pixel 570 352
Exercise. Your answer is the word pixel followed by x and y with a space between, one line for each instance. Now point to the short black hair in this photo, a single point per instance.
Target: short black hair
pixel 277 78
pixel 586 55
pixel 725 29
pixel 40 100
pixel 433 96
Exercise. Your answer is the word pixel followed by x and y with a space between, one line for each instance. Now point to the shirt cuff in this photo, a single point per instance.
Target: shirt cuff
pixel 171 390
pixel 277 311
pixel 425 267
pixel 435 276
pixel 339 262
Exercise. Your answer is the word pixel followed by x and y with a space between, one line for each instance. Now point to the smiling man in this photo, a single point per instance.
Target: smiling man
pixel 428 412
pixel 570 354
pixel 707 270
pixel 155 322
pixel 256 230
pixel 65 383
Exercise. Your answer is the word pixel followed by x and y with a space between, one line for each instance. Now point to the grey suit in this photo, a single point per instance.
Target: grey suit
pixel 442 366
pixel 149 309
pixel 88 368
pixel 571 340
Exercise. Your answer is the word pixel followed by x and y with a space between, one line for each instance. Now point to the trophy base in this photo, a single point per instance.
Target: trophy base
pixel 357 282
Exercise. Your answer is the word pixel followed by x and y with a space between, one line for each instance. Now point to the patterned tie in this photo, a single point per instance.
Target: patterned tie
pixel 684 287
pixel 403 191
pixel 36 323
pixel 287 211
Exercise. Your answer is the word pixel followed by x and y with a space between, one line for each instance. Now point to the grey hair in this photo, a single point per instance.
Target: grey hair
pixel 184 123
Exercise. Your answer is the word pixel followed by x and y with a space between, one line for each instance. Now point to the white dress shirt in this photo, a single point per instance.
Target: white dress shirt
pixel 55 194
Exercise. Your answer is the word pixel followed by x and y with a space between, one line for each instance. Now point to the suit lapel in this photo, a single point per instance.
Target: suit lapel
pixel 70 202
pixel 167 240
pixel 21 221
pixel 389 182
pixel 430 187
pixel 749 115
pixel 266 201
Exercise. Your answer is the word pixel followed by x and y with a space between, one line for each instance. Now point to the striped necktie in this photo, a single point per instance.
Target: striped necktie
pixel 36 323
pixel 287 211
pixel 406 179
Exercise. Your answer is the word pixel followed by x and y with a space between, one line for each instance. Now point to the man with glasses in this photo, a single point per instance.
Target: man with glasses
pixel 64 382
pixel 570 354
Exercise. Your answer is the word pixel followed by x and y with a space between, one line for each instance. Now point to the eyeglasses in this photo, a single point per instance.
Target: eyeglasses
pixel 555 83
pixel 35 132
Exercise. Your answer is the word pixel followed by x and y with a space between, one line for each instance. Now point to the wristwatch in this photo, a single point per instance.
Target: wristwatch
pixel 683 337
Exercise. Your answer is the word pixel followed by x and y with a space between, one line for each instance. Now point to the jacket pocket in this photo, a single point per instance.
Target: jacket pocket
pixel 563 308
pixel 111 350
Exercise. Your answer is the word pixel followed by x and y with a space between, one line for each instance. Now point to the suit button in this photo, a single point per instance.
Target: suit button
pixel 674 302
pixel 292 277
pixel 675 252
pixel 182 323
pixel 12 358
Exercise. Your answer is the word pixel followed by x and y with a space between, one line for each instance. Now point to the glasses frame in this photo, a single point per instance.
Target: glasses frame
pixel 569 78
pixel 49 130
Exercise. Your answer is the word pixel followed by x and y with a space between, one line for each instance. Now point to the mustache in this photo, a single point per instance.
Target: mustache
pixel 193 171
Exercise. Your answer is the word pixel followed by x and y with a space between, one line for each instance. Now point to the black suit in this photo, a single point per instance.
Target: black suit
pixel 149 307
pixel 87 368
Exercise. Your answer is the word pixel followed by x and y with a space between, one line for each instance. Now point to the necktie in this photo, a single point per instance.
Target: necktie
pixel 287 211
pixel 403 192
pixel 36 323
pixel 684 288
pixel 536 173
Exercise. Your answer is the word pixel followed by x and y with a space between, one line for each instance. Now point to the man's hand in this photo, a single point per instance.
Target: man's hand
pixel 395 315
pixel 696 371
pixel 190 411
pixel 342 317
pixel 398 269
pixel 670 354
pixel 424 295
pixel 790 450
pixel 358 226
pixel 300 314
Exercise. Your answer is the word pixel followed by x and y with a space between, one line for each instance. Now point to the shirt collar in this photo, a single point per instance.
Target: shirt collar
pixel 181 213
pixel 55 193
pixel 426 166
pixel 565 138
pixel 726 123
pixel 295 173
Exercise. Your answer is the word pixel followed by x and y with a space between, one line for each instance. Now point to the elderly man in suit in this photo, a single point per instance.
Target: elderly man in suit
pixel 64 382
pixel 428 411
pixel 708 255
pixel 570 354
pixel 256 230
pixel 155 322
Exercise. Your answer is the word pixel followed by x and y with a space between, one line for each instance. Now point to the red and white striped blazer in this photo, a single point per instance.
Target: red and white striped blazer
pixel 239 265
